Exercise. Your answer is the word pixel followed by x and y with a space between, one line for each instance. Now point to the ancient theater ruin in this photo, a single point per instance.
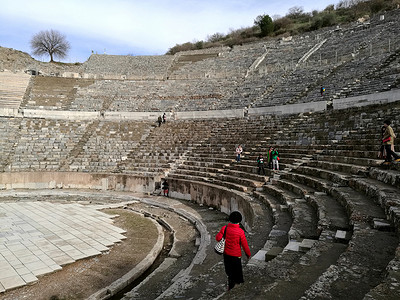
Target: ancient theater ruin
pixel 83 160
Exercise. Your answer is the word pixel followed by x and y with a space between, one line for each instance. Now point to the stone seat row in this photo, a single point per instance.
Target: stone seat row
pixel 349 199
pixel 364 214
pixel 346 196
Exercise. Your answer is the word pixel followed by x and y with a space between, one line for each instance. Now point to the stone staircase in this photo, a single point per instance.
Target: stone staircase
pixel 12 88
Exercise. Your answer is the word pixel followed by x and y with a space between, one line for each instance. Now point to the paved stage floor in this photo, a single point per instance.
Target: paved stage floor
pixel 38 238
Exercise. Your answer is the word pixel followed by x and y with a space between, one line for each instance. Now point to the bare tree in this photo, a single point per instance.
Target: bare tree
pixel 50 42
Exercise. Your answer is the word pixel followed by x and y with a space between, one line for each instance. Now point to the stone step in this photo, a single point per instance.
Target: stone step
pixel 363 259
pixel 336 177
pixel 215 181
pixel 297 271
pixel 278 237
pixel 225 170
pixel 386 196
pixel 342 169
pixel 357 206
pixel 304 216
pixel 222 176
pixel 390 177
pixel 331 215
pixel 359 161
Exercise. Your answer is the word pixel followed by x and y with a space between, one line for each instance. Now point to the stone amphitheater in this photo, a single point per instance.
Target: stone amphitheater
pixel 80 149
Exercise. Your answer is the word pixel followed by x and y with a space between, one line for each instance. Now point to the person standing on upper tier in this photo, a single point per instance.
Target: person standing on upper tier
pixel 260 164
pixel 165 188
pixel 235 240
pixel 269 157
pixel 239 151
pixel 275 159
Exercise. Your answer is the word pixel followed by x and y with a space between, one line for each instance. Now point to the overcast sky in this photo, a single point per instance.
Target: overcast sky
pixel 136 27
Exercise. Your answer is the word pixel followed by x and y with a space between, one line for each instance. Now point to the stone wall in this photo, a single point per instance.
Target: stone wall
pixel 75 180
pixel 218 197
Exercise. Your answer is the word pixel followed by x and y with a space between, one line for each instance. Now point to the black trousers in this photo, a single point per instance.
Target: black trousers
pixel 233 269
pixel 390 153
pixel 261 169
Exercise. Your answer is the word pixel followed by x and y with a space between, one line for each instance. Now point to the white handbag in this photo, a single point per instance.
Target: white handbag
pixel 220 246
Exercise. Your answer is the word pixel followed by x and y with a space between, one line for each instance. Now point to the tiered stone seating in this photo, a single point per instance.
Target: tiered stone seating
pixel 210 81
pixel 326 187
pixel 53 93
pixel 323 192
pixel 41 145
pixel 359 196
pixel 132 67
pixel 12 88
pixel 107 144
pixel 154 95
pixel 345 65
pixel 348 61
pixel 189 57
pixel 334 207
pixel 164 146
pixel 9 135
pixel 220 63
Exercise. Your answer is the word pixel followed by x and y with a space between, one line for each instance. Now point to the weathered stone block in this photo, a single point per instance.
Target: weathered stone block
pixel 342 235
pixel 272 253
pixel 381 224
pixel 306 245
pixel 292 246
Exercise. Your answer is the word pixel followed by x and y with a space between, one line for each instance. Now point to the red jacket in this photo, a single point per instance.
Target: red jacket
pixel 234 239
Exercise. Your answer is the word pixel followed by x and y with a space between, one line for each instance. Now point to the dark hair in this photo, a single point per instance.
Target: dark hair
pixel 235 217
pixel 387 122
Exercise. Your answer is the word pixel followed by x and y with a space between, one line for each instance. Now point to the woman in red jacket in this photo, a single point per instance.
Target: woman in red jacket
pixel 234 241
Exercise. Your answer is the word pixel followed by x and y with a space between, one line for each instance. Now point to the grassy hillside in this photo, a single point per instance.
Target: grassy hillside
pixel 294 22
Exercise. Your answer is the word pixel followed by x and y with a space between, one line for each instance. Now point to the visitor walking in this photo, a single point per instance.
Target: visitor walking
pixel 260 164
pixel 275 159
pixel 235 240
pixel 322 90
pixel 164 118
pixel 159 120
pixel 382 151
pixel 239 151
pixel 388 140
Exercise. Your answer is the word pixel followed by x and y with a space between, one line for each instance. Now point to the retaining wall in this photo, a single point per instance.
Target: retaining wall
pixel 364 100
pixel 75 180
pixel 210 195
pixel 289 109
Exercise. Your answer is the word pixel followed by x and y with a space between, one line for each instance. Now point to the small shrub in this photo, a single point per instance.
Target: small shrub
pixel 265 23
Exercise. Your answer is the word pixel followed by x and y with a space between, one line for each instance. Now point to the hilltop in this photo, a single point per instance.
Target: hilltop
pixel 19 61
pixel 11 59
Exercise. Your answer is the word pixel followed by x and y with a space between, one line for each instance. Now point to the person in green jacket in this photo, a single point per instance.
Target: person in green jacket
pixel 275 159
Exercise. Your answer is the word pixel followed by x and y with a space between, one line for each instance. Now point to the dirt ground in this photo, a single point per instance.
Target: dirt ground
pixel 85 277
